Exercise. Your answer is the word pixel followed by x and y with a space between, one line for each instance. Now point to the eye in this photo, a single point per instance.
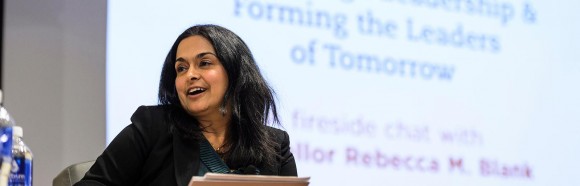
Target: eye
pixel 204 63
pixel 180 68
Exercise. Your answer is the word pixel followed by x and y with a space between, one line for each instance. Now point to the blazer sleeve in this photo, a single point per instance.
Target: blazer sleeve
pixel 122 160
pixel 287 163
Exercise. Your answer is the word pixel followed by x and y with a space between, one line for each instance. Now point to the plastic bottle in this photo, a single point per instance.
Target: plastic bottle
pixel 6 124
pixel 21 173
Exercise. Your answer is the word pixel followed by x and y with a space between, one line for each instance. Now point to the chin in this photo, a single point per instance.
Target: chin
pixel 196 110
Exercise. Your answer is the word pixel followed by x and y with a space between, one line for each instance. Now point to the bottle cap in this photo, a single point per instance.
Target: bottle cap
pixel 17 131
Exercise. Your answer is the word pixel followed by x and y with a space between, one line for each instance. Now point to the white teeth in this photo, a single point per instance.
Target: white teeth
pixel 195 90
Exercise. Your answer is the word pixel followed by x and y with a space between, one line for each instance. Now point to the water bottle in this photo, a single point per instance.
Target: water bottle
pixel 6 123
pixel 21 172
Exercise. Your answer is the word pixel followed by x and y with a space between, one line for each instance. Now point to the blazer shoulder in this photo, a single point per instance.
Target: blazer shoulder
pixel 151 118
pixel 150 113
pixel 286 164
pixel 275 130
pixel 278 135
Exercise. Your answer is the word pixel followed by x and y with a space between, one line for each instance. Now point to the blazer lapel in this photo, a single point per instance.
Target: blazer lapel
pixel 185 157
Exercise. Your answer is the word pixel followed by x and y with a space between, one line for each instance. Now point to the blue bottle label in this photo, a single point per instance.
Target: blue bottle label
pixel 21 173
pixel 5 143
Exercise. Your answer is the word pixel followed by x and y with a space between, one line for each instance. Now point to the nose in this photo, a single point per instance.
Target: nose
pixel 193 74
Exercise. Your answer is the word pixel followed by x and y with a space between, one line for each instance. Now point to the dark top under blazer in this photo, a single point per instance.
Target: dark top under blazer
pixel 149 152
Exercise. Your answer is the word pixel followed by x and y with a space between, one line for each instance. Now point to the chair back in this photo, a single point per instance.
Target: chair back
pixel 72 174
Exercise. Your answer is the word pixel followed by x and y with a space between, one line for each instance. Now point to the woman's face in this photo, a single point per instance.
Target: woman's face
pixel 201 80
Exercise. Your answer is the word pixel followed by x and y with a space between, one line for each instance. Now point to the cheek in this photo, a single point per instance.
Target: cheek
pixel 214 79
pixel 179 85
pixel 221 79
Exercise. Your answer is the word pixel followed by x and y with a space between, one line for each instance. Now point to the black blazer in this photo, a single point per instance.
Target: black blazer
pixel 149 152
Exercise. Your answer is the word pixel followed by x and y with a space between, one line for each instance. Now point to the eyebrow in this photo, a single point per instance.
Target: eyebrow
pixel 200 55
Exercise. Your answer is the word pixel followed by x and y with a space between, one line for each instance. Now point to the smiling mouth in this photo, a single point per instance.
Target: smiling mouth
pixel 195 91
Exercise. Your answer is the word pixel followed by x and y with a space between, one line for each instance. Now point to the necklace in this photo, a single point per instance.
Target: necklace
pixel 215 147
pixel 218 149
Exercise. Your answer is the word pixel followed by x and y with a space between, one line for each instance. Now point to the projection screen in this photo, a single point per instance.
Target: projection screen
pixel 388 92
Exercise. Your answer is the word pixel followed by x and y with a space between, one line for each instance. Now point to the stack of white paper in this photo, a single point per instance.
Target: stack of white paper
pixel 213 179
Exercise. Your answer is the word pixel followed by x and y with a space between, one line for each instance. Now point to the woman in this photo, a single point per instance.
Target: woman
pixel 214 108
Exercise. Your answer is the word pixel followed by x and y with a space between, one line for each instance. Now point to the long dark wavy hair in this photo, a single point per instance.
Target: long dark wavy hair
pixel 249 95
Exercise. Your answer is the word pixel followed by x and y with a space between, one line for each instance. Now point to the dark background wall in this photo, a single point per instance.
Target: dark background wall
pixel 53 77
